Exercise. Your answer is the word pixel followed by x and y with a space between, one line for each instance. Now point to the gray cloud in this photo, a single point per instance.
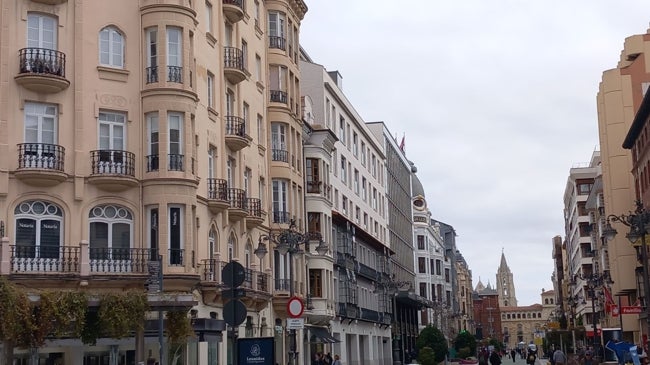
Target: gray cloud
pixel 497 100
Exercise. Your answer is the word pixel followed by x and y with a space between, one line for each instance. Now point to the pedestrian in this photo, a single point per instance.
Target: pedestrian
pixel 482 357
pixel 589 358
pixel 337 360
pixel 328 359
pixel 512 354
pixel 495 358
pixel 532 356
pixel 559 357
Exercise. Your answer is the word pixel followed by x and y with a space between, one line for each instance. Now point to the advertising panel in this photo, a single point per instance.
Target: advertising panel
pixel 256 351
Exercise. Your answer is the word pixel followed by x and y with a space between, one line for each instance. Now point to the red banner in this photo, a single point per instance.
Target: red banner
pixel 631 310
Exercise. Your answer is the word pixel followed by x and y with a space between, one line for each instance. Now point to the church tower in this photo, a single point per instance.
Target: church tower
pixel 505 284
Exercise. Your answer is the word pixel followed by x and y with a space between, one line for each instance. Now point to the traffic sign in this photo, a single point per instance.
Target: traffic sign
pixel 295 323
pixel 295 308
pixel 234 312
pixel 233 274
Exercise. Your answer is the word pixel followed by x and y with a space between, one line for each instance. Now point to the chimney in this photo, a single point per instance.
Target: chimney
pixel 338 79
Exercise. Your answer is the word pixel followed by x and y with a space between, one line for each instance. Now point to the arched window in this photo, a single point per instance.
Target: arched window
pixel 247 255
pixel 212 244
pixel 111 47
pixel 39 229
pixel 546 301
pixel 231 247
pixel 111 230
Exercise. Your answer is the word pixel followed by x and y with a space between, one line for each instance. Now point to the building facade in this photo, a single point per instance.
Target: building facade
pixel 363 296
pixel 506 284
pixel 166 131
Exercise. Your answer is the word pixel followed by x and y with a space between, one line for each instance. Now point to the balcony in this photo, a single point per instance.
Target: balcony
pixel 152 162
pixel 112 170
pixel 278 96
pixel 280 155
pixel 236 138
pixel 176 162
pixel 111 260
pixel 256 286
pixel 217 195
pixel 233 65
pixel 255 215
pixel 233 10
pixel 314 187
pixel 41 164
pixel 281 217
pixel 45 259
pixel 277 42
pixel 152 74
pixel 175 74
pixel 42 70
pixel 237 208
pixel 176 257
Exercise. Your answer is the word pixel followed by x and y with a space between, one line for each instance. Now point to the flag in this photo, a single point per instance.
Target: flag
pixel 609 301
pixel 401 144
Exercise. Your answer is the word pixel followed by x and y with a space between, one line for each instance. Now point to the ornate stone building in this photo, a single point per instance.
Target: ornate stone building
pixel 505 284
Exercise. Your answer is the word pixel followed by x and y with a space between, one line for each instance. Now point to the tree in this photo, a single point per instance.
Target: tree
pixel 431 337
pixel 427 356
pixel 465 344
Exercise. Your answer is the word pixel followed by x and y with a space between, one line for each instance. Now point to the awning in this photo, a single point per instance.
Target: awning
pixel 320 335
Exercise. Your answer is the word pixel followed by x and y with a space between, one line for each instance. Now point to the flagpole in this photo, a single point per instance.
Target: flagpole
pixel 620 316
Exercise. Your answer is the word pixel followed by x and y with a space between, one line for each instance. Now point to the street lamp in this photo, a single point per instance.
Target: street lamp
pixel 639 224
pixel 288 241
pixel 594 281
pixel 392 287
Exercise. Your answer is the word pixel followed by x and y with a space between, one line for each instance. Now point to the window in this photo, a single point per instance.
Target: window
pixel 438 267
pixel 112 142
pixel 111 233
pixel 38 232
pixel 208 17
pixel 447 277
pixel 342 131
pixel 422 265
pixel 313 221
pixel 316 283
pixel 246 111
pixel 357 214
pixel 152 55
pixel 280 201
pixel 175 125
pixel 343 167
pixel 356 181
pixel 363 153
pixel 152 234
pixel 420 239
pixel 257 13
pixel 344 204
pixel 276 30
pixel 41 31
pixel 374 198
pixel 174 54
pixel 39 149
pixel 258 68
pixel 355 144
pixel 248 176
pixel 152 142
pixel 278 79
pixel 210 90
pixel 584 188
pixel 111 48
pixel 374 166
pixel 365 220
pixel 175 231
pixel 260 130
pixel 244 50
pixel 279 142
pixel 211 154
pixel 313 175
pixel 364 193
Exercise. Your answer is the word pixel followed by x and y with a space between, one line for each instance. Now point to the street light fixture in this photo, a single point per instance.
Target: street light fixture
pixel 639 225
pixel 288 241
pixel 594 281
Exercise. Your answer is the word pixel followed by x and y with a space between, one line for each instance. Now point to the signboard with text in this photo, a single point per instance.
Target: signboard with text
pixel 631 310
pixel 256 351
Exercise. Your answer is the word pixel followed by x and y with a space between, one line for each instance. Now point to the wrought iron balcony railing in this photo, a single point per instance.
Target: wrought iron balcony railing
pixel 40 156
pixel 116 162
pixel 42 61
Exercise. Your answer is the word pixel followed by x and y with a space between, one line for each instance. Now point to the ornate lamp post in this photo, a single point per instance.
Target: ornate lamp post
pixel 288 241
pixel 594 281
pixel 638 223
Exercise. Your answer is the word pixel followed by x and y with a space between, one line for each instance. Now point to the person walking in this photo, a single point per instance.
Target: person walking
pixel 559 357
pixel 337 360
pixel 512 354
pixel 495 358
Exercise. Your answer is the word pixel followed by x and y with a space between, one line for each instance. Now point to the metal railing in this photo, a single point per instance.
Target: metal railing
pixel 176 162
pixel 42 61
pixel 41 156
pixel 175 74
pixel 235 126
pixel 281 217
pixel 237 198
pixel 314 187
pixel 176 256
pixel 278 96
pixel 277 42
pixel 282 284
pixel 280 155
pixel 153 162
pixel 233 58
pixel 217 189
pixel 238 3
pixel 152 74
pixel 254 207
pixel 112 162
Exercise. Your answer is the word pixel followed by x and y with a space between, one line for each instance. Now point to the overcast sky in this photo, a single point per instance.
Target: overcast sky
pixel 497 100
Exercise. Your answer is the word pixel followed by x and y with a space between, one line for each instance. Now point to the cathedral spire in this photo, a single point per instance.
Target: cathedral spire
pixel 505 284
